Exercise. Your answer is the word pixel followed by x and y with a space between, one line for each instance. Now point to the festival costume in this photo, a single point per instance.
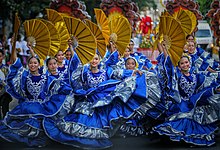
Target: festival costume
pixel 201 60
pixel 207 57
pixel 38 97
pixel 142 60
pixel 187 98
pixel 104 101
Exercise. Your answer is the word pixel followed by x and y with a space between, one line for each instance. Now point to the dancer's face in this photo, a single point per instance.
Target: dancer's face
pixel 68 55
pixel 191 47
pixel 131 46
pixel 184 64
pixel 33 64
pixel 190 39
pixel 95 61
pixel 52 65
pixel 127 53
pixel 130 64
pixel 60 57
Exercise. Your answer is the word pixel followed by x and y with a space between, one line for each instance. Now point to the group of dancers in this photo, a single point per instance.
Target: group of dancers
pixel 85 105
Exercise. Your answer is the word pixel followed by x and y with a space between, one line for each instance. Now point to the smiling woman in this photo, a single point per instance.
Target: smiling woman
pixel 39 96
pixel 187 95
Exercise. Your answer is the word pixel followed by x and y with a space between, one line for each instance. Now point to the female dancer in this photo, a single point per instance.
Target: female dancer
pixel 103 105
pixel 202 54
pixel 188 92
pixel 39 96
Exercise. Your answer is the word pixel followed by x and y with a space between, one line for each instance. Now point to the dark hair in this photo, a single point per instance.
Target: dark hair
pixel 58 52
pixel 1 51
pixel 48 59
pixel 10 34
pixel 189 36
pixel 33 57
pixel 68 50
pixel 184 56
pixel 132 41
pixel 132 59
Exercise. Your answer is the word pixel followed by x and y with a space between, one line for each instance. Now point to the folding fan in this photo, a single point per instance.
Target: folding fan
pixel 102 22
pixel 184 20
pixel 174 37
pixel 57 20
pixel 114 14
pixel 38 35
pixel 55 38
pixel 99 37
pixel 84 41
pixel 193 19
pixel 17 24
pixel 120 30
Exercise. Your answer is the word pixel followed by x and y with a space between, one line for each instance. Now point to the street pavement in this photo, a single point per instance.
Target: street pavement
pixel 120 143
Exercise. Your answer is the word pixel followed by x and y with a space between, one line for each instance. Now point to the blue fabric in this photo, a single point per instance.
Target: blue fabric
pixel 188 131
pixel 39 97
pixel 184 95
pixel 103 105
pixel 111 58
pixel 143 61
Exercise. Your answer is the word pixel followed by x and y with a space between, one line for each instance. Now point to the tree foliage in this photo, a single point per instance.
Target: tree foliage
pixel 26 9
pixel 204 6
pixel 143 4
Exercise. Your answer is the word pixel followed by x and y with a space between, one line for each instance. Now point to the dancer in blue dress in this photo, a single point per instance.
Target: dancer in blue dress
pixel 187 92
pixel 103 105
pixel 39 96
pixel 198 62
pixel 202 54
pixel 143 62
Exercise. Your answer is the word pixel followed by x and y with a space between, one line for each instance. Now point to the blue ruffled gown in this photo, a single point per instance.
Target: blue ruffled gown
pixel 186 98
pixel 104 103
pixel 38 97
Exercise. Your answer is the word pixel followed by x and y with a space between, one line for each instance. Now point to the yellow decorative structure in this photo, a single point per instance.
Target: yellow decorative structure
pixel 102 22
pixel 17 24
pixel 83 39
pixel 101 45
pixel 193 19
pixel 57 19
pixel 114 15
pixel 120 30
pixel 38 35
pixel 184 19
pixel 55 38
pixel 173 36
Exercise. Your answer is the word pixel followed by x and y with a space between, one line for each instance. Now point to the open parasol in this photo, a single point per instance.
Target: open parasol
pixel 57 20
pixel 55 38
pixel 120 30
pixel 101 45
pixel 174 37
pixel 184 19
pixel 83 39
pixel 38 35
pixel 102 22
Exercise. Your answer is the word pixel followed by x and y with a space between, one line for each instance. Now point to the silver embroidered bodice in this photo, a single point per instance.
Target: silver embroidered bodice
pixel 187 87
pixel 35 87
pixel 94 80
